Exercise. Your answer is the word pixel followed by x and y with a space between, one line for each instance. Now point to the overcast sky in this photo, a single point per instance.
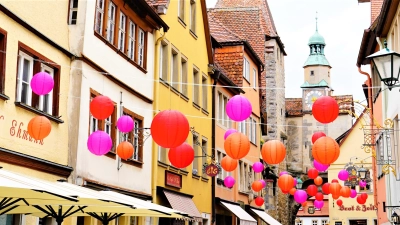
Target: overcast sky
pixel 340 22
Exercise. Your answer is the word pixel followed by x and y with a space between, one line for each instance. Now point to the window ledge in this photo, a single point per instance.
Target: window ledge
pixel 197 177
pixel 161 164
pixel 243 193
pixel 205 111
pixel 183 172
pixel 4 97
pixel 133 162
pixel 193 34
pixel 37 111
pixel 196 106
pixel 205 179
pixel 181 22
pixel 175 91
pixel 111 154
pixel 165 83
pixel 173 169
pixel 244 78
pixel 253 144
pixel 184 97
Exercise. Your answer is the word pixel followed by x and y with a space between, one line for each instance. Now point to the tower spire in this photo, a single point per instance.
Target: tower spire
pixel 316 21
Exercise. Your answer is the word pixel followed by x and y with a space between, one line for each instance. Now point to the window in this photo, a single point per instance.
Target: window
pixel 98 27
pixel 164 61
pixel 254 78
pixel 379 153
pixel 73 11
pixel 246 69
pixel 12 219
pixel 182 10
pixel 196 86
pixel 132 40
pixel 184 74
pixel 324 222
pixel 162 154
pixel 133 220
pixel 193 16
pixel 315 222
pixel 122 31
pixel 30 63
pixel 312 72
pixel 135 137
pixel 223 118
pixel 3 47
pixel 141 48
pixel 252 130
pixel 195 146
pixel 203 153
pixel 242 127
pixel 204 91
pixel 241 176
pixel 270 199
pixel 174 70
pixel 299 222
pixel 111 23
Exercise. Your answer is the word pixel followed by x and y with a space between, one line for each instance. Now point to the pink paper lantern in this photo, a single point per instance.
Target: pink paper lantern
pixel 258 167
pixel 263 183
pixel 362 183
pixel 318 204
pixel 125 124
pixel 319 166
pixel 229 181
pixel 353 193
pixel 300 196
pixel 238 108
pixel 99 143
pixel 283 173
pixel 229 132
pixel 42 83
pixel 343 175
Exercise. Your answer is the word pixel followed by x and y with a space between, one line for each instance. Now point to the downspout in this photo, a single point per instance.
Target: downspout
pixel 370 104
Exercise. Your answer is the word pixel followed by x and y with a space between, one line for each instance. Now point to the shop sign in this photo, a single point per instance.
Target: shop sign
pixel 173 179
pixel 338 222
pixel 311 210
pixel 361 208
pixel 18 130
pixel 212 170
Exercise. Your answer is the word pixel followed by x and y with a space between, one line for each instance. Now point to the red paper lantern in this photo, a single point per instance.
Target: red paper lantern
pixel 259 201
pixel 169 128
pixel 325 150
pixel 39 127
pixel 318 181
pixel 312 173
pixel 345 192
pixel 284 191
pixel 319 196
pixel 364 196
pixel 339 202
pixel 101 107
pixel 325 109
pixel 273 152
pixel 257 186
pixel 334 188
pixel 125 150
pixel 334 181
pixel 317 135
pixel 292 191
pixel 325 188
pixel 237 145
pixel 312 190
pixel 285 182
pixel 360 200
pixel 181 156
pixel 229 164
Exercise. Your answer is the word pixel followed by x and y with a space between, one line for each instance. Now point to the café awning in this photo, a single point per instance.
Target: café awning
pixel 183 203
pixel 265 217
pixel 244 217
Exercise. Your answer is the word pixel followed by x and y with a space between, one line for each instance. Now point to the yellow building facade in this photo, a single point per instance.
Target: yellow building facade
pixel 183 83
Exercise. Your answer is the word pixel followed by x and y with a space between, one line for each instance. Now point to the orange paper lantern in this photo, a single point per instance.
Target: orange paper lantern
pixel 125 150
pixel 304 204
pixel 345 192
pixel 318 181
pixel 257 186
pixel 273 152
pixel 39 127
pixel 237 145
pixel 325 150
pixel 229 164
pixel 292 191
pixel 334 188
pixel 285 182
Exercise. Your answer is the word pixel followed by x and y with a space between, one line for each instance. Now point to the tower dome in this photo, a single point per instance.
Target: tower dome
pixel 317 50
pixel 316 39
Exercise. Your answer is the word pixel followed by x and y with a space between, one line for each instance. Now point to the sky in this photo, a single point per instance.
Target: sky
pixel 340 22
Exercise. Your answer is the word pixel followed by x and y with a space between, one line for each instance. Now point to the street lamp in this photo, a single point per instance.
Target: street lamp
pixel 395 218
pixel 299 184
pixel 387 64
pixel 362 173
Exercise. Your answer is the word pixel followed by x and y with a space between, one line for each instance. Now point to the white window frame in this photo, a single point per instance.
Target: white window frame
pixel 49 70
pixel 72 10
pixel 136 132
pixel 132 40
pixel 174 69
pixel 246 69
pixel 193 16
pixel 111 22
pixel 254 78
pixel 184 76
pixel 204 92
pixel 324 222
pixel 141 43
pixel 99 11
pixel 23 56
pixel 314 222
pixel 122 31
pixel 253 130
pixel 108 125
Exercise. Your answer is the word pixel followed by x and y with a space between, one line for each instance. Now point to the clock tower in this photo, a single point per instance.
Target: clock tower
pixel 317 81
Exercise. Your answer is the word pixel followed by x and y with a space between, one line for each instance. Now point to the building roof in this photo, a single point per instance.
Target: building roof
pixel 322 83
pixel 314 60
pixel 316 39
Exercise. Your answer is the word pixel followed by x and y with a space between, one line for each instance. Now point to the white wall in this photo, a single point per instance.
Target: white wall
pixel 308 220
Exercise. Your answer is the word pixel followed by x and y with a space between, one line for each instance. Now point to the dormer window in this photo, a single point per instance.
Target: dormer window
pixel 312 73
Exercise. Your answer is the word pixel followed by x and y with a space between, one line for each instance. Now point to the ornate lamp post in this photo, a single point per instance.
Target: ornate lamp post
pixel 299 184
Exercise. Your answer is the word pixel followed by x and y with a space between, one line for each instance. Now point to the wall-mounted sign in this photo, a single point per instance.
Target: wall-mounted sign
pixel 173 179
pixel 311 210
pixel 338 222
pixel 361 208
pixel 212 169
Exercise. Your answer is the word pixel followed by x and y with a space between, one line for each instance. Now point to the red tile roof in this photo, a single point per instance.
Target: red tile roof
pixel 232 63
pixel 220 32
pixel 155 3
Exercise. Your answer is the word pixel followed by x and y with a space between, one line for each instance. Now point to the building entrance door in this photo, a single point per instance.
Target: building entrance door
pixel 358 222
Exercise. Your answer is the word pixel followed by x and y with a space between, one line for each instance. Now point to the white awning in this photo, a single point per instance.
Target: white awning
pixel 265 217
pixel 245 218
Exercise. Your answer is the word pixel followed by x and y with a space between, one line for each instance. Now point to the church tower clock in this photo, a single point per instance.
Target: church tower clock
pixel 317 81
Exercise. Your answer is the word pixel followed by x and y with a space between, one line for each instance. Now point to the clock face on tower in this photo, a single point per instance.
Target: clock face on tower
pixel 311 97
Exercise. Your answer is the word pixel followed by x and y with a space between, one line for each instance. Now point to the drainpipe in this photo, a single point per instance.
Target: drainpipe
pixel 370 104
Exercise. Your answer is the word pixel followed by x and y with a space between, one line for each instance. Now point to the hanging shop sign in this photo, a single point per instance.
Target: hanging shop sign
pixel 212 169
pixel 173 179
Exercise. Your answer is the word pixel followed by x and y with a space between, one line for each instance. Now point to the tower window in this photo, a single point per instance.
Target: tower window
pixel 312 72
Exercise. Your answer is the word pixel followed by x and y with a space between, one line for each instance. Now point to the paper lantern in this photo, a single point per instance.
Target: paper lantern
pixel 362 184
pixel 42 83
pixel 318 181
pixel 343 175
pixel 101 107
pixel 285 182
pixel 125 124
pixel 317 135
pixel 39 127
pixel 237 145
pixel 125 150
pixel 259 201
pixel 169 128
pixel 300 196
pixel 229 181
pixel 229 164
pixel 229 132
pixel 304 204
pixel 263 183
pixel 99 143
pixel 256 186
pixel 325 150
pixel 335 196
pixel 364 196
pixel 312 173
pixel 181 156
pixel 312 190
pixel 318 204
pixel 292 191
pixel 325 188
pixel 283 172
pixel 360 200
pixel 334 188
pixel 273 152
pixel 319 196
pixel 345 192
pixel 284 191
pixel 238 108
pixel 334 181
pixel 339 202
pixel 319 166
pixel 325 109
pixel 353 193
pixel 258 167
